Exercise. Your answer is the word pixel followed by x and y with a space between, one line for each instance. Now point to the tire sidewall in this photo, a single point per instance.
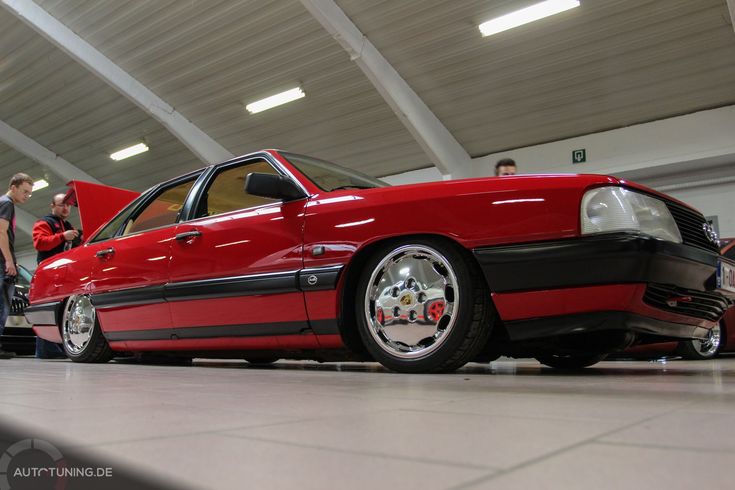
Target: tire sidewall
pixel 97 348
pixel 432 360
pixel 688 351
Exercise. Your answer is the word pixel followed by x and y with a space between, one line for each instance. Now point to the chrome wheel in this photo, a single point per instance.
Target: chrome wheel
pixel 703 349
pixel 78 324
pixel 710 346
pixel 411 300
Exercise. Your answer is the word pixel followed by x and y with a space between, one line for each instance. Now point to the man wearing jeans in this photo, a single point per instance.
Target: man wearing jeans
pixel 19 190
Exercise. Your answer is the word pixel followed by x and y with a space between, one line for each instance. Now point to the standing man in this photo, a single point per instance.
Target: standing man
pixel 506 166
pixel 53 234
pixel 19 190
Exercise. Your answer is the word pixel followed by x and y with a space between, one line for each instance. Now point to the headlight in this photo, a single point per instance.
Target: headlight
pixel 607 209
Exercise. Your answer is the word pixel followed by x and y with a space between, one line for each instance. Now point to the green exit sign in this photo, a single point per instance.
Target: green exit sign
pixel 579 156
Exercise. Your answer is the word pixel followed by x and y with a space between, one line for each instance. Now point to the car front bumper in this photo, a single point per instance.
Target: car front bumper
pixel 622 281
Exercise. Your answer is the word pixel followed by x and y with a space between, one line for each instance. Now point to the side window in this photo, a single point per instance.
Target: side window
pixel 226 192
pixel 109 230
pixel 161 211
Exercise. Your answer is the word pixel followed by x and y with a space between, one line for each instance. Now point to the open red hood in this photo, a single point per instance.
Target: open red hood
pixel 97 203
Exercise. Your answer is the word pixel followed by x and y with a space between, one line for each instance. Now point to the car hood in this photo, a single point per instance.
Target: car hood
pixel 97 203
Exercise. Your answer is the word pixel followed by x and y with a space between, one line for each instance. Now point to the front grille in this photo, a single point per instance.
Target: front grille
pixel 19 304
pixel 690 225
pixel 709 306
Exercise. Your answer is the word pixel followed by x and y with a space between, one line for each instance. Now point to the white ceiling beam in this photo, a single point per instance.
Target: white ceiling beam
pixel 35 151
pixel 201 144
pixel 731 8
pixel 443 149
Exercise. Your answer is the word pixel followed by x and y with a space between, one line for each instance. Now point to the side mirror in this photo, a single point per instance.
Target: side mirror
pixel 273 186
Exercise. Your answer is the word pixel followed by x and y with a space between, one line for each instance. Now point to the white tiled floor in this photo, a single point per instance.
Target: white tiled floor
pixel 512 424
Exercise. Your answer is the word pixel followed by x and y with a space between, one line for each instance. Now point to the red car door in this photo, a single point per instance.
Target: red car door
pixel 234 267
pixel 131 266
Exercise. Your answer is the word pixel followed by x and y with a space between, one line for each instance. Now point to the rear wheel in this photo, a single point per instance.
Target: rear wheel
pixel 422 307
pixel 699 350
pixel 571 361
pixel 81 334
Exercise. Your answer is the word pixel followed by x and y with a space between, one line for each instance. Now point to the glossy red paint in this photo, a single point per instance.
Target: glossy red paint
pixel 493 211
pixel 568 301
pixel 241 268
pixel 100 202
pixel 48 332
pixel 147 317
pixel 240 310
pixel 264 240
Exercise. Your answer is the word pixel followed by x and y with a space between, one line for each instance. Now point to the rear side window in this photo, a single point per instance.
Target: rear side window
pixel 111 228
pixel 162 211
pixel 226 191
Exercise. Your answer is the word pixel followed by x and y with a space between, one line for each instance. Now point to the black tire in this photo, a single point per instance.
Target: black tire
pixel 461 332
pixel 81 334
pixel 262 360
pixel 155 359
pixel 571 362
pixel 698 350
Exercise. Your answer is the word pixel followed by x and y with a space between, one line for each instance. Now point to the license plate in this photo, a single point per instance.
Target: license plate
pixel 725 276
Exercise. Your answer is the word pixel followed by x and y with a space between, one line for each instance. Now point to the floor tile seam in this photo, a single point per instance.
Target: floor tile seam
pixel 74 444
pixel 35 407
pixel 362 453
pixel 552 454
pixel 626 394
pixel 519 417
pixel 664 447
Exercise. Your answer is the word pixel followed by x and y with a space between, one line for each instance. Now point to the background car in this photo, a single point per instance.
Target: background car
pixel 722 338
pixel 275 254
pixel 18 334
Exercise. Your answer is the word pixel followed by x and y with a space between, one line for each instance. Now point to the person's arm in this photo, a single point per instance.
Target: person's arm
pixel 5 248
pixel 44 238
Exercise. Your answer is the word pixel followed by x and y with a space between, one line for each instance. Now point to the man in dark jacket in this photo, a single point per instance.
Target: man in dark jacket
pixel 53 234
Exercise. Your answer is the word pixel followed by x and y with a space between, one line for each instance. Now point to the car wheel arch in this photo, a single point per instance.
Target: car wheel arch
pixel 347 310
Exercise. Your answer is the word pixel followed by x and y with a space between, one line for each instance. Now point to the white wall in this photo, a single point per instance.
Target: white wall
pixel 430 174
pixel 690 157
pixel 27 260
pixel 706 136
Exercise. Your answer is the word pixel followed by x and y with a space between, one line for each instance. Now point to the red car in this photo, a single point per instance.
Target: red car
pixel 276 255
pixel 721 338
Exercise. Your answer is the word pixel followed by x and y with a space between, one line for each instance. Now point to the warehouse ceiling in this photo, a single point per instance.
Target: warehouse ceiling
pixel 601 66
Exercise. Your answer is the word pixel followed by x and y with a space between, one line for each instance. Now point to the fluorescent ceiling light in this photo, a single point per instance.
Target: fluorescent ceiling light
pixel 275 100
pixel 526 15
pixel 129 152
pixel 39 184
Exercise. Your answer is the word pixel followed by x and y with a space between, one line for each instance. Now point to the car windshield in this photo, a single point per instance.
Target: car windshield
pixel 330 177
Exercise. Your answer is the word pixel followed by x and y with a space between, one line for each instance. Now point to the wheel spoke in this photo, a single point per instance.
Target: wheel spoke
pixel 78 323
pixel 411 300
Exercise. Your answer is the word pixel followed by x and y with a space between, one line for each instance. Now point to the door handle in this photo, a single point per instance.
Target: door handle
pixel 105 252
pixel 188 234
